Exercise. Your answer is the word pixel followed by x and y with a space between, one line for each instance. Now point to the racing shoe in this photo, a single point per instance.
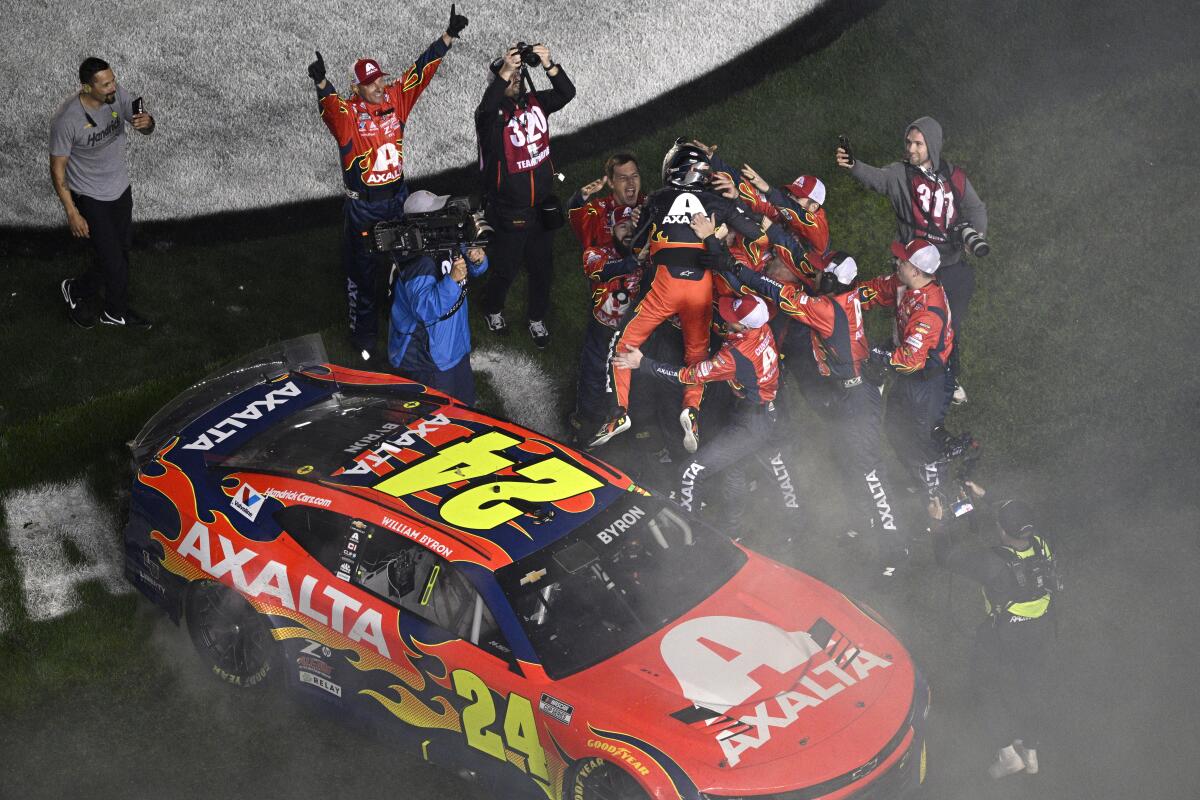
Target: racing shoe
pixel 960 394
pixel 540 334
pixel 1028 755
pixel 77 309
pixel 496 323
pixel 608 430
pixel 1007 762
pixel 689 420
pixel 130 319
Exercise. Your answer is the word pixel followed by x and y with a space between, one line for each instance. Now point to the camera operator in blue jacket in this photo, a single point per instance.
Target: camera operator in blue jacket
pixel 430 340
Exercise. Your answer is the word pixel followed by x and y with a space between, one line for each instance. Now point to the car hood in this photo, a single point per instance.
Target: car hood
pixel 776 673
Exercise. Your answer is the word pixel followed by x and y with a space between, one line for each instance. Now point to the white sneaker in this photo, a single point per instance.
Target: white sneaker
pixel 539 332
pixel 1007 762
pixel 496 323
pixel 1028 755
pixel 689 420
pixel 960 394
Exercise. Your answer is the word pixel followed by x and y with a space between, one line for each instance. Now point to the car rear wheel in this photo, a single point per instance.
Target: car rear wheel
pixel 596 779
pixel 231 637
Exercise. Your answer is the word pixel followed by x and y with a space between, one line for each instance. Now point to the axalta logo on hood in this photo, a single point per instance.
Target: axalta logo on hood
pixel 235 421
pixel 718 662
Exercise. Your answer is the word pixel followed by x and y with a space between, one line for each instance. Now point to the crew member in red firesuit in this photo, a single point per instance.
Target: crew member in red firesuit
pixel 930 197
pixel 513 130
pixel 589 213
pixel 613 274
pixel 801 208
pixel 369 129
pixel 832 315
pixel 924 340
pixel 682 283
pixel 749 363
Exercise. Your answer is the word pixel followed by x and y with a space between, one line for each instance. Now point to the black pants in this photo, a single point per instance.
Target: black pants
pixel 509 248
pixel 750 429
pixel 915 405
pixel 859 426
pixel 110 230
pixel 591 399
pixel 1012 678
pixel 366 272
pixel 958 281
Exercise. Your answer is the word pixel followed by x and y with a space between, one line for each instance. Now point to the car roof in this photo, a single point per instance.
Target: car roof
pixel 468 485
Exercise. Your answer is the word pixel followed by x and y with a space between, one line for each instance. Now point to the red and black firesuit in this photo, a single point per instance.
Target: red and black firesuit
pixel 518 175
pixel 679 285
pixel 924 341
pixel 614 277
pixel 749 363
pixel 370 138
pixel 590 219
pixel 839 347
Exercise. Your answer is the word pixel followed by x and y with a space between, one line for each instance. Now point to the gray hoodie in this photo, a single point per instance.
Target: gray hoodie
pixel 892 181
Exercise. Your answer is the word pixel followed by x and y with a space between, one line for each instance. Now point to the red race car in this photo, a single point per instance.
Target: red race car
pixel 522 612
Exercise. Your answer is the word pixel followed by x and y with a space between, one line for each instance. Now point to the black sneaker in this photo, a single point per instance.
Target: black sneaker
pixel 130 319
pixel 540 334
pixel 77 309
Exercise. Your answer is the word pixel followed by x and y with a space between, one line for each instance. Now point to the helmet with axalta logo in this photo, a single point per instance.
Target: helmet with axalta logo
pixel 686 166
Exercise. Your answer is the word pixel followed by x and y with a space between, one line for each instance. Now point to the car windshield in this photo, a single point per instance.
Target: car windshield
pixel 616 580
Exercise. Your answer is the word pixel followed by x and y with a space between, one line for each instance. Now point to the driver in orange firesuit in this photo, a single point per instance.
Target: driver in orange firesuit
pixel 682 283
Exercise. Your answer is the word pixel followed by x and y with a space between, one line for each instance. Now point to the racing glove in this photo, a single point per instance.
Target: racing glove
pixel 877 366
pixel 457 23
pixel 316 70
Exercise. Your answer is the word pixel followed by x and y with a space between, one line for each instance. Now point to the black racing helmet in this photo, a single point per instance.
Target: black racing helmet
pixel 686 166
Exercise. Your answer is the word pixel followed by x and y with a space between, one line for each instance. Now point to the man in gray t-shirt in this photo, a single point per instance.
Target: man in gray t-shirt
pixel 90 176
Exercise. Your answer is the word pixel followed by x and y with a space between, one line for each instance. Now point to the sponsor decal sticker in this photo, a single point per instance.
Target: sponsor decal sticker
pixel 320 683
pixel 236 421
pixel 247 502
pixel 557 709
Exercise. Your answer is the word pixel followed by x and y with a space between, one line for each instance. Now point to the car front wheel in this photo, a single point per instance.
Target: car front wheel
pixel 231 637
pixel 597 779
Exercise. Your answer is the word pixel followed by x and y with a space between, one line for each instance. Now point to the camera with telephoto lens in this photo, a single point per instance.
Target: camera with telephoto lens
pixel 528 57
pixel 454 225
pixel 971 239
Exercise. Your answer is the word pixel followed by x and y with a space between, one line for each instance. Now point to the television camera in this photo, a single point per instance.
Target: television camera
pixel 447 229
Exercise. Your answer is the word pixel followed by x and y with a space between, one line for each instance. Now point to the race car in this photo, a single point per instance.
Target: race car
pixel 512 609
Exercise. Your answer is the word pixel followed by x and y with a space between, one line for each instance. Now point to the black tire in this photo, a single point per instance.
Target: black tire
pixel 231 637
pixel 597 779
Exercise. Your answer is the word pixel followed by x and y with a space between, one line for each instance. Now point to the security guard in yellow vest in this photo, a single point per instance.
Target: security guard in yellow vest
pixel 1012 646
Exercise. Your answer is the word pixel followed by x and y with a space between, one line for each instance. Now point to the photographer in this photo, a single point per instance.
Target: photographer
pixel 932 199
pixel 513 129
pixel 368 126
pixel 430 337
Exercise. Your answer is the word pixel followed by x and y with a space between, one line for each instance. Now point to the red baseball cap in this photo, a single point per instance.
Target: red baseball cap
pixel 923 255
pixel 806 186
pixel 367 70
pixel 747 309
pixel 619 214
